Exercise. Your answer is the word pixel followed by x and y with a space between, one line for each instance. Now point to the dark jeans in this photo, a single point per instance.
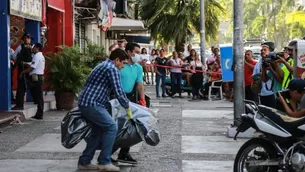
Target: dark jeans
pixel 196 81
pixel 124 151
pixel 103 134
pixel 176 82
pixel 249 95
pixel 160 78
pixel 21 87
pixel 268 101
pixel 37 94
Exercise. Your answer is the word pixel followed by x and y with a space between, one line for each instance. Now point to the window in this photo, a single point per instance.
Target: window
pixel 94 39
pixel 98 40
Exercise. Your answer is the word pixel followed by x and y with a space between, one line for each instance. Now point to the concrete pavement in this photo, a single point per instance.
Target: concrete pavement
pixel 193 140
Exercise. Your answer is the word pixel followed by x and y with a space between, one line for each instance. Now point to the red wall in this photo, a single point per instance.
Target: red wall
pixel 69 41
pixel 55 30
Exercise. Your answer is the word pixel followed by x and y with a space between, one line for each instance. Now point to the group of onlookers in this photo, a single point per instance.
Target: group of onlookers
pixel 269 81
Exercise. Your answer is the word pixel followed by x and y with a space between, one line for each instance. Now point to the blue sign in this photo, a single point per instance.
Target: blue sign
pixel 226 57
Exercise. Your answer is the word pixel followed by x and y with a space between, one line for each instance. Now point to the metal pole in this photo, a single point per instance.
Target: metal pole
pixel 239 92
pixel 202 32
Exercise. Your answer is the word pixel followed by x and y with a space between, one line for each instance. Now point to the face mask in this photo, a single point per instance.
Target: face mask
pixel 135 58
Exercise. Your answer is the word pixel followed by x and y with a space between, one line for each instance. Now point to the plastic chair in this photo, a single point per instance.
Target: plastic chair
pixel 214 86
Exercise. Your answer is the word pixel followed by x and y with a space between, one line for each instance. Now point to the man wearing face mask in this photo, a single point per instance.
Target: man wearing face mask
pixel 132 84
pixel 103 79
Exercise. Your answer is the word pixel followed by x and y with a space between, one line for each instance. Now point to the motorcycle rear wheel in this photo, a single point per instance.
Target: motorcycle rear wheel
pixel 169 92
pixel 243 153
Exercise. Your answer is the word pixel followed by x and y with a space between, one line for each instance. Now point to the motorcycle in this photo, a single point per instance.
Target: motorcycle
pixel 280 144
pixel 184 87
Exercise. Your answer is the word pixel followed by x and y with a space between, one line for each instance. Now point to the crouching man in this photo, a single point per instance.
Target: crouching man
pixel 297 98
pixel 132 84
pixel 103 79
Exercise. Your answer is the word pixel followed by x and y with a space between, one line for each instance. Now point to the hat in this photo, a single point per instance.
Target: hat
pixel 26 35
pixel 269 44
pixel 297 84
pixel 122 40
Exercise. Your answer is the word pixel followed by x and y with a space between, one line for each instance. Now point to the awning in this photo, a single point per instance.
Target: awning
pixel 126 24
pixel 58 5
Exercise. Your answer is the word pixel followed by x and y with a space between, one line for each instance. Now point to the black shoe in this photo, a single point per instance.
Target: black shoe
pixel 164 96
pixel 127 159
pixel 17 108
pixel 38 118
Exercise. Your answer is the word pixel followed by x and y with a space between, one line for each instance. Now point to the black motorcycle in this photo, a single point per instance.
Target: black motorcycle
pixel 279 146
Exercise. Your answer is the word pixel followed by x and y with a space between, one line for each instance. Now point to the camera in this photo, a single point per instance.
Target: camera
pixel 266 62
pixel 275 56
pixel 284 93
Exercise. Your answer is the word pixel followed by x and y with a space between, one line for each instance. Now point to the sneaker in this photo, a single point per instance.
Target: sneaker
pixel 109 167
pixel 88 167
pixel 38 118
pixel 127 159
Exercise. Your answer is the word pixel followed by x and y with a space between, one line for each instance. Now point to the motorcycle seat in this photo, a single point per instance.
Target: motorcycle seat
pixel 281 118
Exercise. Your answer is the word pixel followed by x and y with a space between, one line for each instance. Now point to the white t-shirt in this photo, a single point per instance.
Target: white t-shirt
pixel 176 62
pixel 186 54
pixel 144 57
pixel 196 63
pixel 38 63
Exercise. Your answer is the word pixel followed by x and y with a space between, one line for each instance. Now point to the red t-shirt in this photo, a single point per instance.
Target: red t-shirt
pixel 249 73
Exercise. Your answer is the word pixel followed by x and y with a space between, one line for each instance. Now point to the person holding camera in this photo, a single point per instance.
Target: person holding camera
pixel 286 71
pixel 265 87
pixel 269 66
pixel 296 95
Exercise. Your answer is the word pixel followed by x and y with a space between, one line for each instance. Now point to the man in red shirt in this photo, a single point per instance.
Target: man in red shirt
pixel 249 66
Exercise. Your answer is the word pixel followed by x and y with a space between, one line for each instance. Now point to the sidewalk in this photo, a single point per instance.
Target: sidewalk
pixel 29 109
pixel 193 140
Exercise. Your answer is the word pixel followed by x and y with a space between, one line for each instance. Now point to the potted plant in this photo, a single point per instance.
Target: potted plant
pixel 67 72
pixel 95 54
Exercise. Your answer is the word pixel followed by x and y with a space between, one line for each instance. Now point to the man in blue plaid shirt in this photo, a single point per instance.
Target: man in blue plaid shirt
pixel 103 79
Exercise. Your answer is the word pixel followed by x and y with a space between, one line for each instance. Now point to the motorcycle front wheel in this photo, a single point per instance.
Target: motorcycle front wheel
pixel 168 91
pixel 262 151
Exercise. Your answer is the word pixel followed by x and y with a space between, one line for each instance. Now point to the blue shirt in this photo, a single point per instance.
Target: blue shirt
pixel 104 78
pixel 277 86
pixel 130 75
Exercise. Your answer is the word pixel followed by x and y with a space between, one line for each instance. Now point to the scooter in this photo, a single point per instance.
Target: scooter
pixel 184 87
pixel 280 144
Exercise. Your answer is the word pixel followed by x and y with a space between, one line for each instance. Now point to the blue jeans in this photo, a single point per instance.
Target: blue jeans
pixel 104 131
pixel 159 78
pixel 176 82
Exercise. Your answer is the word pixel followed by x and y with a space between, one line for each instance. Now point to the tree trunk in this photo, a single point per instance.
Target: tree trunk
pixel 179 46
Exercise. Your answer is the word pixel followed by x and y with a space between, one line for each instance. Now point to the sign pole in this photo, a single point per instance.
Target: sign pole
pixel 202 32
pixel 239 92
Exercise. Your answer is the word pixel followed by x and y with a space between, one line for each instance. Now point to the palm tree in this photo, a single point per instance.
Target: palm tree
pixel 179 20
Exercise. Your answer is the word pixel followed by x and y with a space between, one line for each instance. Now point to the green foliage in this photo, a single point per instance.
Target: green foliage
pixel 274 20
pixel 95 54
pixel 179 20
pixel 67 70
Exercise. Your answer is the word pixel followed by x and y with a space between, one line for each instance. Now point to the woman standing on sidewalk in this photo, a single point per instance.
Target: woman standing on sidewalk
pixel 152 58
pixel 144 60
pixel 176 74
pixel 197 77
pixel 161 72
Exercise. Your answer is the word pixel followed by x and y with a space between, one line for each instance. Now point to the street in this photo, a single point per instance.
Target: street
pixel 193 140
